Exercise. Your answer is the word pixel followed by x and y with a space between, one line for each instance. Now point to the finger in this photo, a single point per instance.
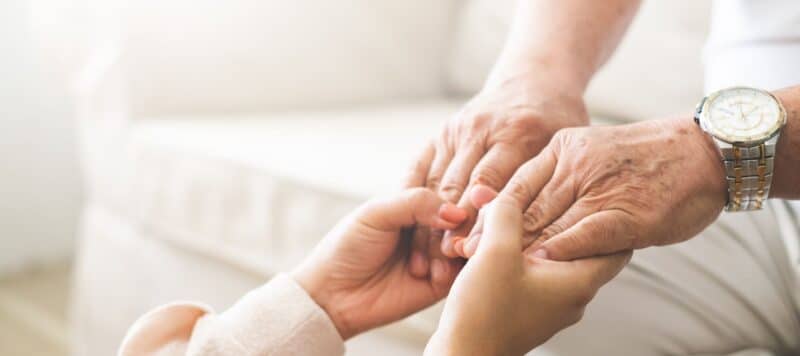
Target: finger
pixel 419 261
pixel 492 171
pixel 422 237
pixel 502 232
pixel 441 160
pixel 417 177
pixel 597 271
pixel 443 273
pixel 530 178
pixel 481 195
pixel 601 233
pixel 474 239
pixel 425 243
pixel 456 177
pixel 412 207
pixel 497 166
pixel 574 214
pixel 418 174
pixel 452 188
pixel 554 199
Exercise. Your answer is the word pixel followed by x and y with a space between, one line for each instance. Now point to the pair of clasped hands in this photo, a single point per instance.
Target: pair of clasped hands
pixel 519 213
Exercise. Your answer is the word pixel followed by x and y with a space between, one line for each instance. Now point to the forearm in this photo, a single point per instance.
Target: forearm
pixel 786 178
pixel 563 41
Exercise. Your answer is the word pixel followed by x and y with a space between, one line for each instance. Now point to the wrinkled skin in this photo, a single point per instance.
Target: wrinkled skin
pixel 600 190
pixel 497 131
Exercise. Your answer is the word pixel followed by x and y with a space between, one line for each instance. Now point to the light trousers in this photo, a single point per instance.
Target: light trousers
pixel 732 290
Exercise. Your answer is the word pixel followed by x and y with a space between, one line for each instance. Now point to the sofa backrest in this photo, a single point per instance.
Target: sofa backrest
pixel 656 71
pixel 200 56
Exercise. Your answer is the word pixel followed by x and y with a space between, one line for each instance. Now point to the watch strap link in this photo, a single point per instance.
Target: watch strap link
pixel 749 175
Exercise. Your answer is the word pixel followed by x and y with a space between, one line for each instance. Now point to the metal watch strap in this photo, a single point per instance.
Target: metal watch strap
pixel 748 171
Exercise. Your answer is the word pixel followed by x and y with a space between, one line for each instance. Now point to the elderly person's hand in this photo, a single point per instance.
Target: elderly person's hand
pixel 535 88
pixel 599 190
pixel 504 302
pixel 359 272
pixel 496 132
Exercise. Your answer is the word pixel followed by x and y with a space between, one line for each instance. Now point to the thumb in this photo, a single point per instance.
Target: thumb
pixel 599 270
pixel 415 206
pixel 502 231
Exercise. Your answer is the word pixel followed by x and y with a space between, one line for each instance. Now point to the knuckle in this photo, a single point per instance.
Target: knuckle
pixel 419 166
pixel 451 190
pixel 489 176
pixel 416 196
pixel 433 180
pixel 518 190
pixel 553 229
pixel 480 120
pixel 473 127
pixel 562 134
pixel 624 231
pixel 532 218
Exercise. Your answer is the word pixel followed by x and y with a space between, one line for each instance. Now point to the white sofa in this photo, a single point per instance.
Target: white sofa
pixel 220 141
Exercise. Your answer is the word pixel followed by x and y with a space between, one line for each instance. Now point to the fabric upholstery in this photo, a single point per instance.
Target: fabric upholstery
pixel 639 81
pixel 249 55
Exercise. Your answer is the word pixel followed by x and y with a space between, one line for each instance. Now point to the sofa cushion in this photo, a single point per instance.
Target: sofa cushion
pixel 256 192
pixel 251 55
pixel 260 190
pixel 657 69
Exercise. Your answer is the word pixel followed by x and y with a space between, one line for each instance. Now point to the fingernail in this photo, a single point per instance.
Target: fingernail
pixel 447 246
pixel 480 195
pixel 540 253
pixel 459 247
pixel 452 213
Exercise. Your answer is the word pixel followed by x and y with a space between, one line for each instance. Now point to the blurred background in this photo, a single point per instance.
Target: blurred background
pixel 40 190
pixel 162 150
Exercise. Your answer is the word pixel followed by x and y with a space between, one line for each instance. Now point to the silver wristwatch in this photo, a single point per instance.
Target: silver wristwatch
pixel 745 124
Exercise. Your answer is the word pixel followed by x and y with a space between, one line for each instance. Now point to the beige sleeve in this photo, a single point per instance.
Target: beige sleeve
pixel 278 318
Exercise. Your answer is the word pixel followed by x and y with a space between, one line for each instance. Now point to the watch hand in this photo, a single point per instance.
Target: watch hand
pixel 752 111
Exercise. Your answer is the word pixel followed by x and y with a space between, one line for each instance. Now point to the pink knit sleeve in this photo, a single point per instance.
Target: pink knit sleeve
pixel 278 318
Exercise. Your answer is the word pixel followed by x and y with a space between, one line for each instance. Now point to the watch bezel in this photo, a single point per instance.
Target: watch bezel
pixel 702 116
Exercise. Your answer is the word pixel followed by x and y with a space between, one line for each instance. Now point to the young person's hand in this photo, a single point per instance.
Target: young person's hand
pixel 359 273
pixel 506 302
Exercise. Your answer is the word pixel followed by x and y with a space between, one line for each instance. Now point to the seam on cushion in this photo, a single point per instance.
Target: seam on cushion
pixel 256 264
pixel 145 231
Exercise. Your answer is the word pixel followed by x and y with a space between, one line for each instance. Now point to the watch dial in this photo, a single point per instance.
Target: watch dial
pixel 743 115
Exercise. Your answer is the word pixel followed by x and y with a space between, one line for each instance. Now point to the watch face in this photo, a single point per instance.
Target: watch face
pixel 743 115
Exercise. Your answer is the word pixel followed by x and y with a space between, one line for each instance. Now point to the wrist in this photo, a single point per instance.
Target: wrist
pixel 558 107
pixel 787 152
pixel 314 287
pixel 709 158
pixel 446 343
pixel 548 71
